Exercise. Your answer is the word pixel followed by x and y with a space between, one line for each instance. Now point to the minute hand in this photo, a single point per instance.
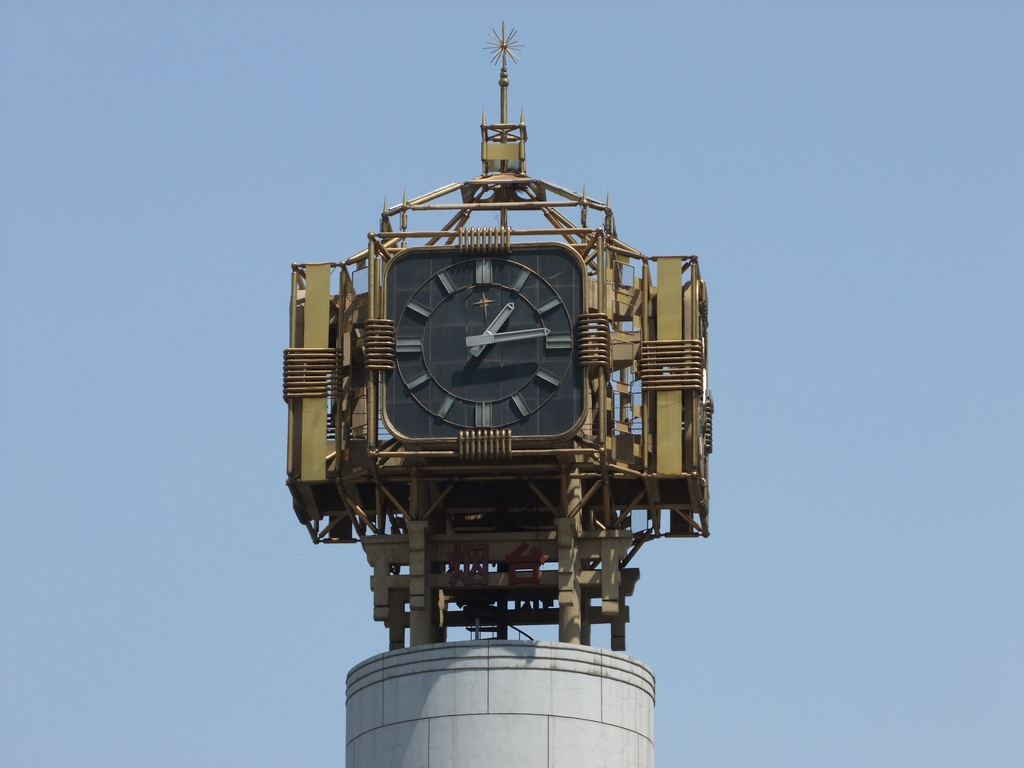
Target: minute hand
pixel 498 338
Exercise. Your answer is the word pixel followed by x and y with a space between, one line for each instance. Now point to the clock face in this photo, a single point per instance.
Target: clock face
pixel 484 341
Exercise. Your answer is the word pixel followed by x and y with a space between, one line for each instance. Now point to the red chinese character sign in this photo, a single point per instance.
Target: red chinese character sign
pixel 468 564
pixel 524 566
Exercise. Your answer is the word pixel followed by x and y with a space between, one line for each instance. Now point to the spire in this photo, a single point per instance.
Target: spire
pixel 504 46
pixel 503 147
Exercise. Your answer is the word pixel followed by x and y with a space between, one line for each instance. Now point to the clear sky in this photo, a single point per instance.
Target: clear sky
pixel 852 178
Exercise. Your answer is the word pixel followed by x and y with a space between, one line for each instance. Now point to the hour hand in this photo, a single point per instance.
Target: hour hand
pixel 496 323
pixel 487 338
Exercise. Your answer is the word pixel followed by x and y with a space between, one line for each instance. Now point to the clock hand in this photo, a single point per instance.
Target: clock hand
pixel 488 338
pixel 500 318
pixel 477 347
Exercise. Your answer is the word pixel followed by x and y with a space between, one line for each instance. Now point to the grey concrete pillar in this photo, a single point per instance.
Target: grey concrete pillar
pixel 500 703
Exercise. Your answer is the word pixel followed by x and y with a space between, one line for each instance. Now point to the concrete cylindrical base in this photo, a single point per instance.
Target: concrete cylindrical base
pixel 500 703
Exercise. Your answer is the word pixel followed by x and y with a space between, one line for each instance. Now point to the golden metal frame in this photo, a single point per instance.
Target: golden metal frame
pixel 642 449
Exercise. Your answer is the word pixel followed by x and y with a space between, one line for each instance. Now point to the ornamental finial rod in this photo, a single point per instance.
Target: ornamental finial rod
pixel 504 46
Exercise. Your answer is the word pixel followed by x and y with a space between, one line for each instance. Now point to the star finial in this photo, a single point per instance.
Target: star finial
pixel 504 46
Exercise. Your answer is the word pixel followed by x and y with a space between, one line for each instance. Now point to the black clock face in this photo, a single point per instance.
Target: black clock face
pixel 484 342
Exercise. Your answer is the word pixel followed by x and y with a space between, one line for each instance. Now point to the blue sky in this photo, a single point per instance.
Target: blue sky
pixel 852 178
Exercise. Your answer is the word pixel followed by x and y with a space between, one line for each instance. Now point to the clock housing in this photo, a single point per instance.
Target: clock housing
pixel 522 303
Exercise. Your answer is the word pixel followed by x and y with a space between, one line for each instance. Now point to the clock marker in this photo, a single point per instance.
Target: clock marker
pixel 418 308
pixel 483 414
pixel 520 404
pixel 409 345
pixel 446 282
pixel 559 341
pixel 484 303
pixel 423 378
pixel 549 377
pixel 521 280
pixel 483 271
pixel 547 306
pixel 446 406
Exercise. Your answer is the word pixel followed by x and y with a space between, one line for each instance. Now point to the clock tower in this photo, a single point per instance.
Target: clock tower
pixel 501 409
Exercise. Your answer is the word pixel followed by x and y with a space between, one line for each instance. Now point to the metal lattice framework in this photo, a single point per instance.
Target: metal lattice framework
pixel 489 530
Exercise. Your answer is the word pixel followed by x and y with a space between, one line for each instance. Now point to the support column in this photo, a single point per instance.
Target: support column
pixel 611 578
pixel 573 494
pixel 584 623
pixel 569 603
pixel 421 607
pixel 379 583
pixel 396 620
pixel 619 632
